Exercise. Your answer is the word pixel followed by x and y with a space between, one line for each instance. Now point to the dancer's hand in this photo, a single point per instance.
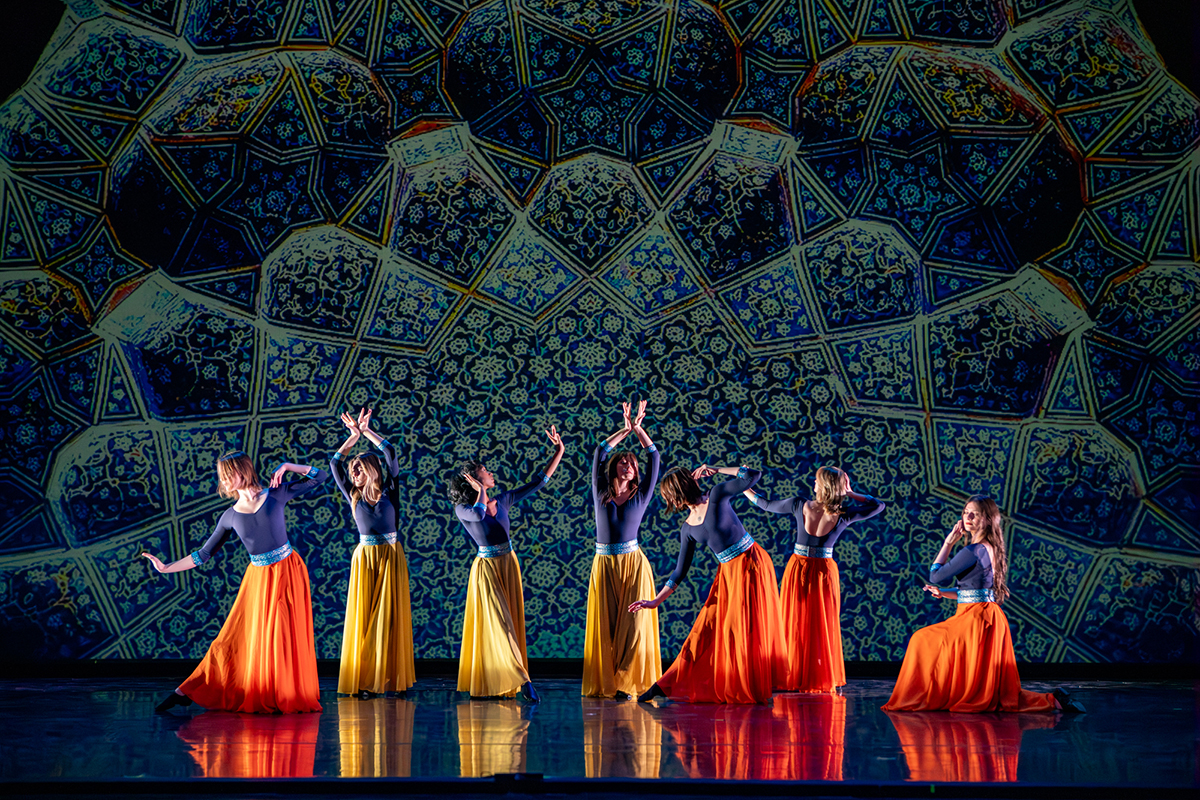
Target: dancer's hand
pixel 364 419
pixel 956 533
pixel 627 414
pixel 703 471
pixel 156 561
pixel 638 605
pixel 351 424
pixel 641 414
pixel 277 476
pixel 476 485
pixel 933 590
pixel 556 438
pixel 846 483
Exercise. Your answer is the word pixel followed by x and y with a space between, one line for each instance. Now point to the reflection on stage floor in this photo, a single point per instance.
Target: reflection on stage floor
pixel 1134 734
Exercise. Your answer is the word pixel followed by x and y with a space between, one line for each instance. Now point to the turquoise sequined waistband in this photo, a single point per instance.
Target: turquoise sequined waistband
pixel 813 552
pixel 616 549
pixel 272 556
pixel 495 550
pixel 740 546
pixel 377 538
pixel 976 596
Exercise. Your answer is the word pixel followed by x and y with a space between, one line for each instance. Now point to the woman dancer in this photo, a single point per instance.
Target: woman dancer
pixel 493 662
pixel 377 649
pixel 620 650
pixel 734 653
pixel 966 663
pixel 263 660
pixel 811 593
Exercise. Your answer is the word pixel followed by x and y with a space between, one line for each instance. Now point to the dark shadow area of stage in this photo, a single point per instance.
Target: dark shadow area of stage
pixel 91 737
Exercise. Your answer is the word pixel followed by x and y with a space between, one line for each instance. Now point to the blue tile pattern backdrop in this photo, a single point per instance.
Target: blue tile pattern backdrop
pixel 951 247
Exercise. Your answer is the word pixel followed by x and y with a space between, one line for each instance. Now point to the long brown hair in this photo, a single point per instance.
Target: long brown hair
pixel 373 489
pixel 831 489
pixel 232 466
pixel 679 489
pixel 993 534
pixel 610 474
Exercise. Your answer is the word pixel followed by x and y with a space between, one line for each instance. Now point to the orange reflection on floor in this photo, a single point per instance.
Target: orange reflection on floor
pixel 227 745
pixel 816 732
pixel 944 746
pixel 491 737
pixel 797 737
pixel 376 737
pixel 620 740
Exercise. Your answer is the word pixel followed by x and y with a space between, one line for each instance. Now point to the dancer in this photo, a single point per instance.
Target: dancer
pixel 811 593
pixel 734 653
pixel 264 659
pixel 966 663
pixel 377 648
pixel 493 662
pixel 620 650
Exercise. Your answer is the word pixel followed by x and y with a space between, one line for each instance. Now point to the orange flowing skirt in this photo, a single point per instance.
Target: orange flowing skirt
pixel 734 653
pixel 811 595
pixel 965 663
pixel 263 661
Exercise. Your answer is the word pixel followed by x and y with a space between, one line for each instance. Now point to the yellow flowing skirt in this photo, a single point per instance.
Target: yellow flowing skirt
pixel 492 661
pixel 620 650
pixel 377 646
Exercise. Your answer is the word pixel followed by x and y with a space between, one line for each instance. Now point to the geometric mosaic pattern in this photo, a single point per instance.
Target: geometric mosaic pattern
pixel 912 238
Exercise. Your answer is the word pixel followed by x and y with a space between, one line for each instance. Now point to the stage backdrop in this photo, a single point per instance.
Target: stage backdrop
pixel 951 247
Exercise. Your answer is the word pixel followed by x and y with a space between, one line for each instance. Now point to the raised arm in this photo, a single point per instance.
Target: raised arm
pixel 646 487
pixel 517 495
pixel 337 464
pixel 386 448
pixel 606 446
pixel 311 478
pixel 743 479
pixel 476 512
pixel 788 505
pixel 867 506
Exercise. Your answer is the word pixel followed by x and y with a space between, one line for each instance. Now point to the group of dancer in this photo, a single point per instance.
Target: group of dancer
pixel 751 638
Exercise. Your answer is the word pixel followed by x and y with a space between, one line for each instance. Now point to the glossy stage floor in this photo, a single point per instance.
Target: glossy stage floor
pixel 92 737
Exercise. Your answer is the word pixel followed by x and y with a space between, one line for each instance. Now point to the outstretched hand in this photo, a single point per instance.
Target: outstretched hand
pixel 351 423
pixel 156 561
pixel 627 414
pixel 638 605
pixel 277 476
pixel 364 419
pixel 933 590
pixel 555 438
pixel 476 485
pixel 703 471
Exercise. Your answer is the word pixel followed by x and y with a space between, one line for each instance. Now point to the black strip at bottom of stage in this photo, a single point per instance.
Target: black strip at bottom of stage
pixel 93 738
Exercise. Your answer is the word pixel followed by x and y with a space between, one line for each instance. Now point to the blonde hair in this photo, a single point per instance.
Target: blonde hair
pixel 373 489
pixel 679 489
pixel 610 487
pixel 236 468
pixel 831 489
pixel 993 534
